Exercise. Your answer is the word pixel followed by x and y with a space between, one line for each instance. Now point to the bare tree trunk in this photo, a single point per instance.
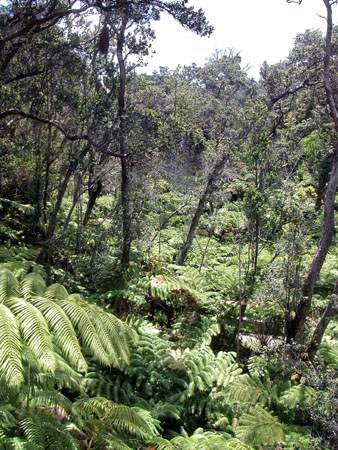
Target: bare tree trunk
pixel 296 327
pixel 297 324
pixel 200 207
pixel 329 313
pixel 94 193
pixel 95 187
pixel 126 235
pixel 52 221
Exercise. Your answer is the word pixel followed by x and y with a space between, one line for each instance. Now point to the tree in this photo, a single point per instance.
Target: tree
pixel 297 324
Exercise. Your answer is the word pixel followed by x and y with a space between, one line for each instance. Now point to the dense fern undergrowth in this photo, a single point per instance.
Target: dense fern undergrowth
pixel 151 360
pixel 168 242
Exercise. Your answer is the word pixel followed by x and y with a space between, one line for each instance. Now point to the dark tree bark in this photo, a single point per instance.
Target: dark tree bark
pixel 200 207
pixel 329 313
pixel 94 193
pixel 48 238
pixel 95 187
pixel 324 177
pixel 296 327
pixel 126 218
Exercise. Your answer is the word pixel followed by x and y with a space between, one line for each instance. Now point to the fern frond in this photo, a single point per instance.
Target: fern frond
pixel 153 424
pixel 33 285
pixel 161 444
pixel 65 334
pixel 56 290
pixel 110 441
pixel 117 416
pixel 298 439
pixel 259 427
pixel 113 334
pixel 46 431
pixel 53 401
pixel 8 285
pixel 328 354
pixel 10 348
pixel 298 396
pixel 236 444
pixel 73 308
pixel 250 389
pixel 34 331
pixel 18 268
pixel 201 440
pixel 31 429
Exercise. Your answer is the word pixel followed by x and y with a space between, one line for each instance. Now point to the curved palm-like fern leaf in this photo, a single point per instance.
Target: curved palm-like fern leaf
pixel 56 290
pixel 10 348
pixel 48 316
pixel 236 444
pixel 84 325
pixel 46 431
pixel 161 444
pixel 328 354
pixel 33 285
pixel 109 441
pixel 251 389
pixel 63 329
pixel 298 396
pixel 202 440
pixel 8 285
pixel 115 416
pixel 34 331
pixel 259 427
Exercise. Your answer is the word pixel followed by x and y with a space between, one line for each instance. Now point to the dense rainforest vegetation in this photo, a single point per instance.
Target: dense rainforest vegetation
pixel 168 257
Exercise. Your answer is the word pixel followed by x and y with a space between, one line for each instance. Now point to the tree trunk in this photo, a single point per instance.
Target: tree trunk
pixel 297 324
pixel 126 235
pixel 200 207
pixel 52 222
pixel 94 193
pixel 296 327
pixel 329 313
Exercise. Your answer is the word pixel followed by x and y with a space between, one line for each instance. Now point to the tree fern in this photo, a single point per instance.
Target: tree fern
pixel 10 347
pixel 57 291
pixel 33 285
pixel 298 396
pixel 112 416
pixel 46 431
pixel 298 437
pixel 34 330
pixel 32 314
pixel 252 390
pixel 8 285
pixel 328 354
pixel 207 440
pixel 259 427
pixel 64 332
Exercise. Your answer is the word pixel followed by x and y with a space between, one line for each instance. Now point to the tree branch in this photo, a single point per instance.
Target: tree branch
pixel 68 136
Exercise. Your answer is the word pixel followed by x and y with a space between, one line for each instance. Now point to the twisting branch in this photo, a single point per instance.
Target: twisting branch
pixel 34 25
pixel 19 112
pixel 68 136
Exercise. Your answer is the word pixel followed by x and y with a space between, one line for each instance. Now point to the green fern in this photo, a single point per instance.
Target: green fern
pixel 32 314
pixel 112 416
pixel 252 390
pixel 10 348
pixel 298 396
pixel 328 354
pixel 260 427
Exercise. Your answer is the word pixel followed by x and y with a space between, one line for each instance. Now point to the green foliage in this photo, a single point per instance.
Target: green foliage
pixel 298 396
pixel 328 354
pixel 259 427
pixel 31 312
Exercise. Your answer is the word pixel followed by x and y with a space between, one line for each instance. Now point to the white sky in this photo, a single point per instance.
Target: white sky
pixel 261 30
